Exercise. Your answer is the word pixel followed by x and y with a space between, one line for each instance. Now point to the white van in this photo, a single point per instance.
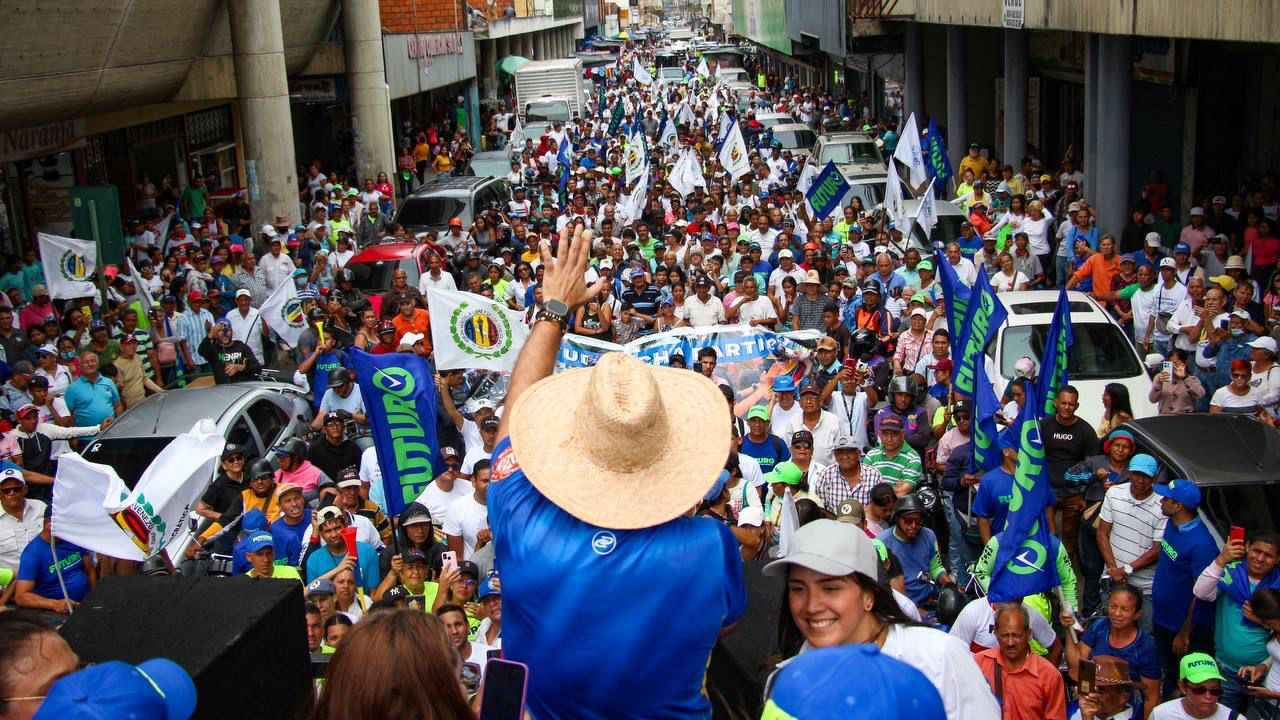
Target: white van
pixel 1100 354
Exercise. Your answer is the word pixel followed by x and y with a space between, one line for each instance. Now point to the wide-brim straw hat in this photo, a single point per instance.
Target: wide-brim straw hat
pixel 622 445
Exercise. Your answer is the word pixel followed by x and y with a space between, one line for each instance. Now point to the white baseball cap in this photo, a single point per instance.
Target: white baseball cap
pixel 829 547
pixel 411 339
pixel 1266 342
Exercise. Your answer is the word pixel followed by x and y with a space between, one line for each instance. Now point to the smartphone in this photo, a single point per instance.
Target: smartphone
pixel 494 654
pixel 1088 677
pixel 1167 367
pixel 1237 534
pixel 503 689
pixel 448 560
pixel 1224 324
pixel 850 364
pixel 418 602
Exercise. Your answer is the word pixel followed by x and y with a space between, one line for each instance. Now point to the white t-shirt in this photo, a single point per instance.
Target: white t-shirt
pixel 444 282
pixel 1005 283
pixel 371 475
pixel 479 655
pixel 1136 525
pixel 474 455
pixel 759 309
pixel 977 620
pixel 778 275
pixel 466 518
pixel 780 420
pixel 1172 710
pixel 824 436
pixel 1233 403
pixel 851 412
pixel 438 501
pixel 949 665
pixel 700 314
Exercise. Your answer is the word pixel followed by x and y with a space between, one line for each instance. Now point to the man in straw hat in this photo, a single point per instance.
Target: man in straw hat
pixel 594 485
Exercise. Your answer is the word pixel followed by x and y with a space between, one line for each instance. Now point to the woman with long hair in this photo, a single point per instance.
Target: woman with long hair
pixel 519 287
pixel 1177 391
pixel 1117 409
pixel 833 598
pixel 367 333
pixel 395 664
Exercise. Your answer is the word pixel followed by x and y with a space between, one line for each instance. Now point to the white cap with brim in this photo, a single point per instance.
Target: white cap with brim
pixel 829 547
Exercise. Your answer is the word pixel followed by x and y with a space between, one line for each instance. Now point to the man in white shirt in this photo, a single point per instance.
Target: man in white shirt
pixel 444 489
pixel 276 266
pixel 20 519
pixel 1197 673
pixel 963 266
pixel 703 309
pixel 1130 527
pixel 244 323
pixel 467 525
pixel 787 268
pixel 823 425
pixel 753 308
pixel 435 276
pixel 763 234
pixel 484 450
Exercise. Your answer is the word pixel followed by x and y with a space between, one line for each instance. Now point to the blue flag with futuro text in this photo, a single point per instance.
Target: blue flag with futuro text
pixel 985 316
pixel 935 154
pixel 1026 562
pixel 827 191
pixel 399 393
pixel 983 430
pixel 956 296
pixel 1057 352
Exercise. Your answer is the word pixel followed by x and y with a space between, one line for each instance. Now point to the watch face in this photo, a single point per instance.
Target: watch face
pixel 556 307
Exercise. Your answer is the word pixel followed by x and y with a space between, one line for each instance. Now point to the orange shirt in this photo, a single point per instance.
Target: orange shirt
pixel 1101 270
pixel 1032 692
pixel 419 323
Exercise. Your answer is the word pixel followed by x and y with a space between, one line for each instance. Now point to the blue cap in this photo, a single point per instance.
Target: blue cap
pixel 299 273
pixel 852 681
pixel 1008 439
pixel 713 493
pixel 157 688
pixel 168 299
pixel 253 520
pixel 97 325
pixel 257 541
pixel 784 383
pixel 1143 463
pixel 1183 491
pixel 1182 248
pixel 488 588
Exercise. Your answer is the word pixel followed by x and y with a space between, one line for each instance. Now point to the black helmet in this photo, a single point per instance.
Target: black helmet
pixel 293 446
pixel 261 467
pixel 338 377
pixel 903 384
pixel 905 506
pixel 871 286
pixel 950 602
pixel 863 342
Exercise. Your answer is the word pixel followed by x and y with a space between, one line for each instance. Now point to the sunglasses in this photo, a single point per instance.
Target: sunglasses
pixel 235 459
pixel 1204 690
pixel 13 490
pixel 802 446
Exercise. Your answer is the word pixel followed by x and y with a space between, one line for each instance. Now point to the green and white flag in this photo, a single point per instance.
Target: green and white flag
pixel 69 264
pixel 470 331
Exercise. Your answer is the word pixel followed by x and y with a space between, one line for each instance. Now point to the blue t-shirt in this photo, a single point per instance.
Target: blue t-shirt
pixel 768 453
pixel 287 539
pixel 563 580
pixel 367 575
pixel 320 373
pixel 916 557
pixel 1144 661
pixel 92 402
pixel 993 496
pixel 1185 552
pixel 36 566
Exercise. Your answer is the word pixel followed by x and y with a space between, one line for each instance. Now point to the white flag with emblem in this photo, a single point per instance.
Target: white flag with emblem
pixel 909 152
pixel 633 204
pixel 668 138
pixel 635 157
pixel 642 76
pixel 68 266
pixel 471 331
pixel 282 312
pixel 733 154
pixel 95 509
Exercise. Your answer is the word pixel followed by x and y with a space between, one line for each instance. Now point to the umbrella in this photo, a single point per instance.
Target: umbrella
pixel 511 63
pixel 623 36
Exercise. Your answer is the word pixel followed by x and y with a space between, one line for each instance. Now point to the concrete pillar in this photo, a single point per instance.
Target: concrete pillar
pixel 489 66
pixel 1107 185
pixel 540 46
pixel 370 107
pixel 957 96
pixel 1015 97
pixel 1089 153
pixel 913 69
pixel 267 127
pixel 473 113
pixel 502 48
pixel 526 44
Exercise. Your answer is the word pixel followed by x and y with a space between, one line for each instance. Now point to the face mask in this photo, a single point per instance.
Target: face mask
pixel 67 355
pixel 1237 332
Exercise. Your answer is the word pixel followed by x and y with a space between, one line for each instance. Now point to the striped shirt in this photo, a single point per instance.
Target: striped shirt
pixel 903 467
pixel 1136 525
pixel 831 486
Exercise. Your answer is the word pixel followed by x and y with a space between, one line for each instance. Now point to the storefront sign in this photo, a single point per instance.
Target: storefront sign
pixel 313 90
pixel 40 141
pixel 1013 14
pixel 423 47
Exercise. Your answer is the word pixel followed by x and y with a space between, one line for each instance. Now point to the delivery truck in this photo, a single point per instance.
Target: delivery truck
pixel 549 90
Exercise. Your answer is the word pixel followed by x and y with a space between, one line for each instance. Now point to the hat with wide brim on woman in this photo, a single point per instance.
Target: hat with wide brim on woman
pixel 622 445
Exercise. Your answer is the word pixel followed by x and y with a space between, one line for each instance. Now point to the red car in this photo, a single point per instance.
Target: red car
pixel 373 266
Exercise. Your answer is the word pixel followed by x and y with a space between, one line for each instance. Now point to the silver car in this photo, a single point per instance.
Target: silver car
pixel 253 415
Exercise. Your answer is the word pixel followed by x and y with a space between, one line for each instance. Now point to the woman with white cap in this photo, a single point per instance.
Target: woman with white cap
pixel 1264 381
pixel 833 598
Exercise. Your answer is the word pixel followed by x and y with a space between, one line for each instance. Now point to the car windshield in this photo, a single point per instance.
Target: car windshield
pixel 1100 351
pixel 375 275
pixel 128 456
pixel 858 151
pixel 947 229
pixel 792 139
pixel 671 72
pixel 872 194
pixel 555 110
pixel 435 210
pixel 775 120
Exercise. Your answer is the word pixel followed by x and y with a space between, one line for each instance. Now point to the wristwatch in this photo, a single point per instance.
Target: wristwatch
pixel 554 311
pixel 1128 569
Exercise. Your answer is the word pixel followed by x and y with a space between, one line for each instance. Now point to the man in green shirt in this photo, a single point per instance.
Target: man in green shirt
pixel 194 199
pixel 897 462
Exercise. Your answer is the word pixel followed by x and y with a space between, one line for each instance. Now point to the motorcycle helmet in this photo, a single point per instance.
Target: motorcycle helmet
pixel 863 342
pixel 905 506
pixel 903 384
pixel 293 446
pixel 950 602
pixel 338 377
pixel 260 468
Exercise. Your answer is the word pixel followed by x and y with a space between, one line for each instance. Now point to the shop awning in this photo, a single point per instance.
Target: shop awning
pixel 511 63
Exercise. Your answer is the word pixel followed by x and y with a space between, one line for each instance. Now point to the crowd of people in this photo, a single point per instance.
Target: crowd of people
pixel 640 487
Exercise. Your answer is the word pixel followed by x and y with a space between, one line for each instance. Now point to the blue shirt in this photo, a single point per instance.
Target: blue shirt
pixel 768 453
pixel 92 402
pixel 1144 661
pixel 992 499
pixel 1185 552
pixel 287 539
pixel 644 302
pixel 367 574
pixel 653 602
pixel 916 557
pixel 36 566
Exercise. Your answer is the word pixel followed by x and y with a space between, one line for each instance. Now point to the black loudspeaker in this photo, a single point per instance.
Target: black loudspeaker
pixel 244 641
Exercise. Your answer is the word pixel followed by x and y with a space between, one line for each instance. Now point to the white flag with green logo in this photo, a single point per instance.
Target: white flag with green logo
pixel 471 331
pixel 68 266
pixel 282 312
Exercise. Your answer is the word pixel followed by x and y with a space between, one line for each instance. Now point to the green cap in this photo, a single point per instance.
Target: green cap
pixel 924 265
pixel 1196 668
pixel 787 473
pixel 759 412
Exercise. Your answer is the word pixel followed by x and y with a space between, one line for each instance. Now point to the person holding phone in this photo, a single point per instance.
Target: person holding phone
pixel 1174 389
